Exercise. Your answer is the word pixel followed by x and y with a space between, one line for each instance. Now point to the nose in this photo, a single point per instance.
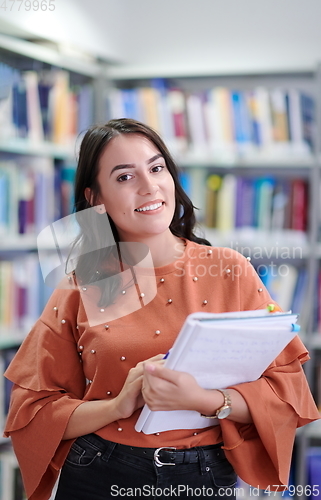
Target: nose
pixel 147 186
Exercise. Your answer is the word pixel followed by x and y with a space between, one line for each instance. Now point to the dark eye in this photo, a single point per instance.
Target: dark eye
pixel 124 177
pixel 158 168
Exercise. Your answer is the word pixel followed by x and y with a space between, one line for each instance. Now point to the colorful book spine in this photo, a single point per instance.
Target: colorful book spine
pixel 264 203
pixel 33 193
pixel 218 120
pixel 23 294
pixel 43 106
pixel 299 205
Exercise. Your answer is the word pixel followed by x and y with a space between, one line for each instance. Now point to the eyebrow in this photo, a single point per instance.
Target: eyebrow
pixel 132 165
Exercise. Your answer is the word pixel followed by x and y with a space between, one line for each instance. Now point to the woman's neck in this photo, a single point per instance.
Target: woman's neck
pixel 164 248
pixel 166 251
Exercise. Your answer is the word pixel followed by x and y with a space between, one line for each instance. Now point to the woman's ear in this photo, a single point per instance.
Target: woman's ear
pixel 88 195
pixel 100 209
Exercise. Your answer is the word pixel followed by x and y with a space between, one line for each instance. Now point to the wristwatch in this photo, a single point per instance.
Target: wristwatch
pixel 224 410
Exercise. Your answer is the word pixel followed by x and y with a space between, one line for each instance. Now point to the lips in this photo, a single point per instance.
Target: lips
pixel 148 207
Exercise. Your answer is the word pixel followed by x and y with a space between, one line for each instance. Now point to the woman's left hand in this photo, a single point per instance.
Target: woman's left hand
pixel 165 389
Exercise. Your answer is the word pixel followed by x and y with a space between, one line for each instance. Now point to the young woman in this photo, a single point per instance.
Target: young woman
pixel 88 366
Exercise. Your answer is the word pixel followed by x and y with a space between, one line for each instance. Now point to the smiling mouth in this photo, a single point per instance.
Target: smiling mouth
pixel 148 208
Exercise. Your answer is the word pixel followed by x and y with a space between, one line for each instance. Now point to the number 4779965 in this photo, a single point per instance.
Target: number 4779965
pixel 18 5
pixel 293 490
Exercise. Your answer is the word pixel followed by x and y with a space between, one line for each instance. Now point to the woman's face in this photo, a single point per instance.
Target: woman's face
pixel 136 187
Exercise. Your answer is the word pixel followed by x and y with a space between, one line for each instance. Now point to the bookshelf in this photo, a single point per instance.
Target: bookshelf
pixel 269 129
pixel 47 100
pixel 38 150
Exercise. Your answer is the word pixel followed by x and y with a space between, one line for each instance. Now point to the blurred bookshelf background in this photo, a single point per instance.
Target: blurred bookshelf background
pixel 238 107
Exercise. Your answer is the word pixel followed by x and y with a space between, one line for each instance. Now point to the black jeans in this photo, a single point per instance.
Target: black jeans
pixel 96 469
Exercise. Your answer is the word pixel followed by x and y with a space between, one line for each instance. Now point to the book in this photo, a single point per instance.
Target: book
pixel 23 295
pixel 177 105
pixel 245 198
pixel 19 108
pixel 255 124
pixel 166 124
pixel 241 119
pixel 226 203
pixel 211 119
pixel 196 123
pixel 10 182
pixel 263 115
pixel 35 124
pixel 147 109
pixel 223 104
pixel 230 348
pixel 308 119
pixel 264 206
pixel 279 116
pixel 3 414
pixel 85 116
pixel 299 205
pixel 280 204
pixel 213 184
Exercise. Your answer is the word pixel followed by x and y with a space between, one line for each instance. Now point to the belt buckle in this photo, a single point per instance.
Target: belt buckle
pixel 156 456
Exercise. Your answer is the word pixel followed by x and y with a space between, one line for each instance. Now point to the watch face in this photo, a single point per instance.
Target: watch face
pixel 224 412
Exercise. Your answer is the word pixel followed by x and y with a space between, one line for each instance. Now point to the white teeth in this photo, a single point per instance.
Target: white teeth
pixel 149 207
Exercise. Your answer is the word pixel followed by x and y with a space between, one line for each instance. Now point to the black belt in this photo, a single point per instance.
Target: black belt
pixel 167 455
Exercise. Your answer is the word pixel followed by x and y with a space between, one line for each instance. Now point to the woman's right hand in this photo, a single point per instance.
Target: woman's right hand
pixel 93 415
pixel 130 397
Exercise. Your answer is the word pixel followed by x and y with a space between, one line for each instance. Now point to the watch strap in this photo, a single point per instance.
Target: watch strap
pixel 227 404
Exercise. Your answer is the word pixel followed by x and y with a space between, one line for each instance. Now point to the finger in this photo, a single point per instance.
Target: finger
pixel 160 371
pixel 158 357
pixel 135 384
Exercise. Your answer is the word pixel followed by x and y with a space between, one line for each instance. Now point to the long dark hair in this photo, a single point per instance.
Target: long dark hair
pixel 92 147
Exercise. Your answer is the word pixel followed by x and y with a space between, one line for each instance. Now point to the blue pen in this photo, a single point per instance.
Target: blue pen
pixel 295 328
pixel 166 355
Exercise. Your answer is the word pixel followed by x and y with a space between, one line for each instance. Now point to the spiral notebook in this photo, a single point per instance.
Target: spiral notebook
pixel 221 350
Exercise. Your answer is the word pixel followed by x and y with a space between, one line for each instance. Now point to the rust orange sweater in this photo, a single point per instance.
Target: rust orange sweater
pixel 64 362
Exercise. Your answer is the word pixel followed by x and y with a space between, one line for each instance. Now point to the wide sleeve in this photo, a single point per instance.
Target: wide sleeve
pixel 280 401
pixel 48 386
